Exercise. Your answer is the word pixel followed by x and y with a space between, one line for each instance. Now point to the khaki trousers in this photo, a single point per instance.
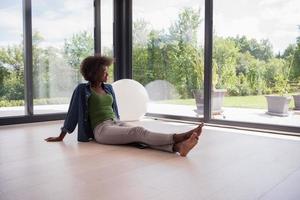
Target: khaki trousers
pixel 118 132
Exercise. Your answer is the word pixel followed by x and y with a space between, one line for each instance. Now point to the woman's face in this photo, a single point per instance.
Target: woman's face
pixel 104 75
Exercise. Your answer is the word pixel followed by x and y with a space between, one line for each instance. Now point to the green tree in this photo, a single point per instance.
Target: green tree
pixel 292 55
pixel 295 70
pixel 252 73
pixel 225 55
pixel 290 50
pixel 276 72
pixel 140 32
pixel 141 72
pixel 4 74
pixel 262 50
pixel 186 58
pixel 76 48
pixel 184 30
pixel 40 67
pixel 171 55
pixel 12 72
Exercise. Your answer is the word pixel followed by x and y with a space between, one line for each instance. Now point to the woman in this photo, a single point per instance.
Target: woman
pixel 93 107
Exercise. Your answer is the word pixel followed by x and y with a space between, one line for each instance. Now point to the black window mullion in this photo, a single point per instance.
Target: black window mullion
pixel 27 38
pixel 123 39
pixel 208 40
pixel 97 26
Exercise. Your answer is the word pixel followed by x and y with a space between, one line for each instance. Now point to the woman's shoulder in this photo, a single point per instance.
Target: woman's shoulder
pixel 82 85
pixel 108 86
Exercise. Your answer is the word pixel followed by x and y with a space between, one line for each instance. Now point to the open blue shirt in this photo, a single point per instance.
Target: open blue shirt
pixel 78 111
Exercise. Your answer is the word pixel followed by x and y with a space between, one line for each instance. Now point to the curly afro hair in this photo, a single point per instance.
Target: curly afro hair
pixel 92 67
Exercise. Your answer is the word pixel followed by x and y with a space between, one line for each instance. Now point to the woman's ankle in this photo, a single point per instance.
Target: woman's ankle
pixel 176 138
pixel 176 147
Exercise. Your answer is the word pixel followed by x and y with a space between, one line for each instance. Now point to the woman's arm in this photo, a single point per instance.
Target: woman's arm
pixel 70 120
pixel 57 139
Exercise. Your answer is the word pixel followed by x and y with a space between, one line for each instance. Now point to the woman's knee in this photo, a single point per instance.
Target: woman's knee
pixel 138 130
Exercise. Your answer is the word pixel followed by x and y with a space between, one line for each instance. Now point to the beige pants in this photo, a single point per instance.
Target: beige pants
pixel 117 132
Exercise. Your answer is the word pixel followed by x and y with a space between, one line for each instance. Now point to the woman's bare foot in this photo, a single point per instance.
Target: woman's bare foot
pixel 184 136
pixel 198 130
pixel 184 147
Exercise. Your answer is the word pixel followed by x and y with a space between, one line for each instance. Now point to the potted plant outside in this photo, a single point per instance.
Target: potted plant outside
pixel 217 100
pixel 297 101
pixel 278 105
pixel 297 98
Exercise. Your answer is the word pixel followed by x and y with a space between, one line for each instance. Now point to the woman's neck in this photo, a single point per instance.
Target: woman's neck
pixel 97 85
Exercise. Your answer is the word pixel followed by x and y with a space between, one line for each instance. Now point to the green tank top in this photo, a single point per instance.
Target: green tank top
pixel 100 108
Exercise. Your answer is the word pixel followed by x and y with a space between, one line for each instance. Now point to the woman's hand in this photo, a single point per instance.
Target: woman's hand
pixel 56 139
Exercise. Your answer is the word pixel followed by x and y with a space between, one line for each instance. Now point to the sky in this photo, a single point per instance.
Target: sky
pixel 56 20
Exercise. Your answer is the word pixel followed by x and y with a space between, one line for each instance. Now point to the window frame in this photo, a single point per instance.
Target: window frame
pixel 122 40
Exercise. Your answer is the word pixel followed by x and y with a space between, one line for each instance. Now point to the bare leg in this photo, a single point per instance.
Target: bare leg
pixel 184 147
pixel 184 136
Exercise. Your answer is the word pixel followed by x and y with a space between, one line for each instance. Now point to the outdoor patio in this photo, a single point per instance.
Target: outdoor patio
pixel 229 113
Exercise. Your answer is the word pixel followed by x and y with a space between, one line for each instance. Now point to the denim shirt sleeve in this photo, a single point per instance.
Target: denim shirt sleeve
pixel 71 119
pixel 115 106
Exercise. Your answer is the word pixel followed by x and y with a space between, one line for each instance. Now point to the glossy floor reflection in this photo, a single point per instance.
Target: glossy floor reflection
pixel 226 164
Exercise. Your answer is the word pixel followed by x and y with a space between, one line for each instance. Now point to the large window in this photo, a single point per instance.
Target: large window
pixel 63 35
pixel 107 32
pixel 11 59
pixel 255 58
pixel 256 61
pixel 168 54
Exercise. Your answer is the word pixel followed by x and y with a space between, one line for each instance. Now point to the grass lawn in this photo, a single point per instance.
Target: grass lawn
pixel 234 101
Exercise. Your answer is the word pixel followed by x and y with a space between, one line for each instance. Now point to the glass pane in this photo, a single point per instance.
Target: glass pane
pixel 107 33
pixel 11 59
pixel 62 38
pixel 256 60
pixel 168 40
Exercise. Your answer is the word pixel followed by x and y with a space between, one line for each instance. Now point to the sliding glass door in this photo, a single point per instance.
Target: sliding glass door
pixel 168 55
pixel 256 62
pixel 62 36
pixel 11 59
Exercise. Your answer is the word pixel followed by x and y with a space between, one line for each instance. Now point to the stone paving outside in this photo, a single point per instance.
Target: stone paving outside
pixel 229 113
